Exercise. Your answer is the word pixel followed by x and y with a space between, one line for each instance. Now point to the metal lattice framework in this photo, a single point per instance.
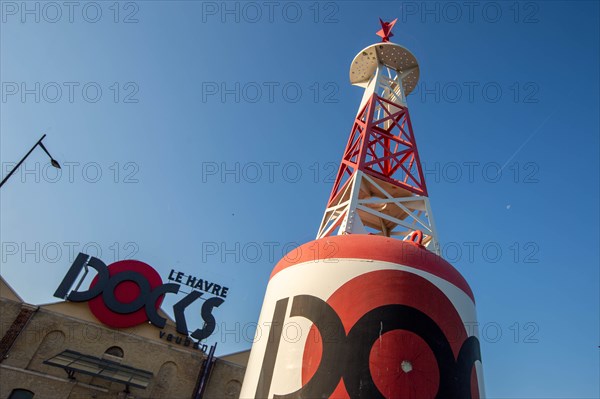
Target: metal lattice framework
pixel 380 187
pixel 384 147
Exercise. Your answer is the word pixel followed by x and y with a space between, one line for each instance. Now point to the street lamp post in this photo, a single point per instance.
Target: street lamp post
pixel 39 142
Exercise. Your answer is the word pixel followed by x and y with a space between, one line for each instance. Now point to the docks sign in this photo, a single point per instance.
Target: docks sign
pixel 129 292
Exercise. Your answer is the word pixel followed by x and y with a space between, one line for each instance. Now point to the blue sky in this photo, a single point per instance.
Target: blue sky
pixel 149 104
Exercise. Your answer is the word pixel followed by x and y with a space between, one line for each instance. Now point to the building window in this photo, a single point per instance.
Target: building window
pixel 21 394
pixel 114 351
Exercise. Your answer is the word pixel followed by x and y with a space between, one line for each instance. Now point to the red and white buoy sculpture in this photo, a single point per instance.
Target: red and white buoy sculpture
pixel 358 313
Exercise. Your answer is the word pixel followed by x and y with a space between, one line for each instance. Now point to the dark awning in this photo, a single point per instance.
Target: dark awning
pixel 72 362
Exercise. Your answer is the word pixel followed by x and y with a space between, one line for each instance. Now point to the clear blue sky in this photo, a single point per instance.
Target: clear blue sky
pixel 189 89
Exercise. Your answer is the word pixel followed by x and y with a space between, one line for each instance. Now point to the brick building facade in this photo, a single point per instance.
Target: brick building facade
pixel 61 351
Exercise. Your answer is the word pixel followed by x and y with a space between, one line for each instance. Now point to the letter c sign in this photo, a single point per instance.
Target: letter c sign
pixel 125 294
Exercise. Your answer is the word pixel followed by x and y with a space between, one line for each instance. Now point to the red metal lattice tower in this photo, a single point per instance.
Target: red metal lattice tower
pixel 397 309
pixel 380 187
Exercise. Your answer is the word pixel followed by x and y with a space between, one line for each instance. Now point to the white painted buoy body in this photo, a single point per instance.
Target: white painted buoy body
pixel 365 316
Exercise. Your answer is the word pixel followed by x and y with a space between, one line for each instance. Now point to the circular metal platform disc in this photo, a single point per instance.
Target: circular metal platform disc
pixel 389 54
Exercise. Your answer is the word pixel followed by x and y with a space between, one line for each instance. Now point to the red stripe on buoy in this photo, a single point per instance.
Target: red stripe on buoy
pixel 378 248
